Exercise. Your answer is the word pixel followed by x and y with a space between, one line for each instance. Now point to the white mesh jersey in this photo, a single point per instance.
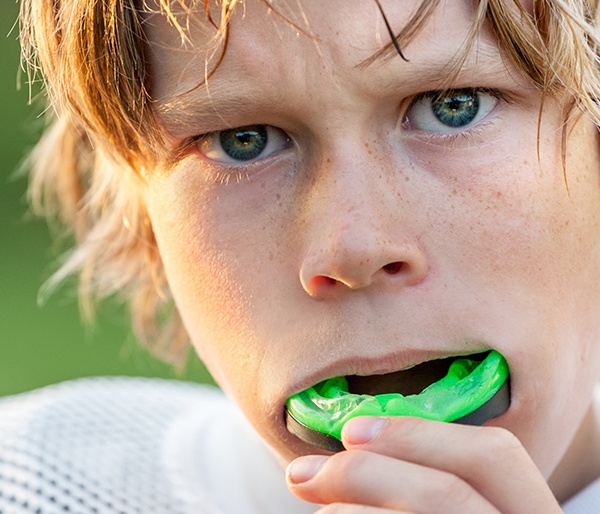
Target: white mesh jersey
pixel 145 446
pixel 134 446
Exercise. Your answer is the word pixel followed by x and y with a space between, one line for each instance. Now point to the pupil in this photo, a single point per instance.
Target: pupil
pixel 245 143
pixel 456 109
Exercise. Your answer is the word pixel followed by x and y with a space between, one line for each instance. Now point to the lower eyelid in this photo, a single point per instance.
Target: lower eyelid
pixel 474 137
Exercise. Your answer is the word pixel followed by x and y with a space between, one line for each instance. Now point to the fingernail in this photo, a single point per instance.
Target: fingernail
pixel 304 468
pixel 362 430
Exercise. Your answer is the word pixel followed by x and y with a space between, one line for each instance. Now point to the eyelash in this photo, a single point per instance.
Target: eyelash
pixel 223 178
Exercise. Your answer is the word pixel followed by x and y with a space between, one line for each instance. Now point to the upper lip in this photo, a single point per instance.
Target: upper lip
pixel 378 365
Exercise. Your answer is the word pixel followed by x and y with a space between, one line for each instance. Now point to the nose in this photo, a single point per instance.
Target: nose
pixel 393 265
pixel 361 237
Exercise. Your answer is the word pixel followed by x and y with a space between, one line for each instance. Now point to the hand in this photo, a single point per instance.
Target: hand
pixel 411 465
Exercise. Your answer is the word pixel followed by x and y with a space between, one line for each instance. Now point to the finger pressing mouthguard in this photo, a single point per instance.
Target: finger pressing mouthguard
pixel 474 390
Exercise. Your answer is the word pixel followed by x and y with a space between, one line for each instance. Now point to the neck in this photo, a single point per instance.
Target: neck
pixel 580 465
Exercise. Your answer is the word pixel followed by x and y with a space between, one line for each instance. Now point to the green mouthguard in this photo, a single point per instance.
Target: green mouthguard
pixel 468 385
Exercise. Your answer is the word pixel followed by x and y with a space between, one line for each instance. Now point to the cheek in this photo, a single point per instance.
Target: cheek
pixel 527 226
pixel 540 256
pixel 519 246
pixel 206 291
pixel 221 258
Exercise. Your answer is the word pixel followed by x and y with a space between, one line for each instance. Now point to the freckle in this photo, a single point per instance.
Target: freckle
pixel 406 179
pixel 278 196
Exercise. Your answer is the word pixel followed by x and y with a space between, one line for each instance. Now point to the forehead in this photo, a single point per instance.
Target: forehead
pixel 311 42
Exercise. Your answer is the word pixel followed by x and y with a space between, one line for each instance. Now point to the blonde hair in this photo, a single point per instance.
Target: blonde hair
pixel 87 170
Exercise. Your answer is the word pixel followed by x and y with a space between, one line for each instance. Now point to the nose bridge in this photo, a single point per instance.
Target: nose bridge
pixel 360 229
pixel 347 203
pixel 348 200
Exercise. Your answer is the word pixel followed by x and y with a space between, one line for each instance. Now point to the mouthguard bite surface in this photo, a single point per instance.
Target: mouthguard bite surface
pixel 472 392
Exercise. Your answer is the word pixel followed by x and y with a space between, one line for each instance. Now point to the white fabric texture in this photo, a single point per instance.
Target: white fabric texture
pixel 145 446
pixel 586 502
pixel 129 446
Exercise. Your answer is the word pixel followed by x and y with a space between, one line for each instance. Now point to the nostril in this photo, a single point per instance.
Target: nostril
pixel 393 267
pixel 320 281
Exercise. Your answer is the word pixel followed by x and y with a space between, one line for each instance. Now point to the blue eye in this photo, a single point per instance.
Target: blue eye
pixel 449 110
pixel 243 144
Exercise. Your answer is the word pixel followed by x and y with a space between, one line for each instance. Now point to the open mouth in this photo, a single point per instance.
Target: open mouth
pixel 469 389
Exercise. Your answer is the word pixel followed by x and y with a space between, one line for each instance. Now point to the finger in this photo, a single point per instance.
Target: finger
pixel 490 459
pixel 372 479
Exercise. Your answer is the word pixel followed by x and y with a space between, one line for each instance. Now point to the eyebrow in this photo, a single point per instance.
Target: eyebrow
pixel 201 106
pixel 223 98
pixel 482 57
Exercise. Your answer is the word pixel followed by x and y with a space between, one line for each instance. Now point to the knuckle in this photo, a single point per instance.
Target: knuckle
pixel 455 490
pixel 503 449
pixel 504 440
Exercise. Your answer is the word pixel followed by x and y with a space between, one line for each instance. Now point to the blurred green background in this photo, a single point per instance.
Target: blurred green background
pixel 40 345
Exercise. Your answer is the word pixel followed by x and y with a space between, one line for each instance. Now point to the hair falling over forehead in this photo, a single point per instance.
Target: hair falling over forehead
pixel 87 171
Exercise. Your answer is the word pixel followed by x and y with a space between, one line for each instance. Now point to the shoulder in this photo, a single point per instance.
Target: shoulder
pixel 95 445
pixel 102 406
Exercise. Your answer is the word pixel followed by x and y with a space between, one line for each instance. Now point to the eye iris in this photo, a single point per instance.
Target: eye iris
pixel 245 143
pixel 456 109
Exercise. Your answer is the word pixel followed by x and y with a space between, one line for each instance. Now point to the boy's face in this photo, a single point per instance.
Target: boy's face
pixel 359 226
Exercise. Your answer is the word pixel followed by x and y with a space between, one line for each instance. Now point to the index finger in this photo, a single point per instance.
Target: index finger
pixel 490 459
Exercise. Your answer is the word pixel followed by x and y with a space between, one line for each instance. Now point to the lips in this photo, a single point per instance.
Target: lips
pixel 451 389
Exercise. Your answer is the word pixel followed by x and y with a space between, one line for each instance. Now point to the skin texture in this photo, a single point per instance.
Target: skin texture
pixel 366 244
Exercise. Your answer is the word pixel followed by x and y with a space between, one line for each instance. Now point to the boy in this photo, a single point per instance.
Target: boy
pixel 322 203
